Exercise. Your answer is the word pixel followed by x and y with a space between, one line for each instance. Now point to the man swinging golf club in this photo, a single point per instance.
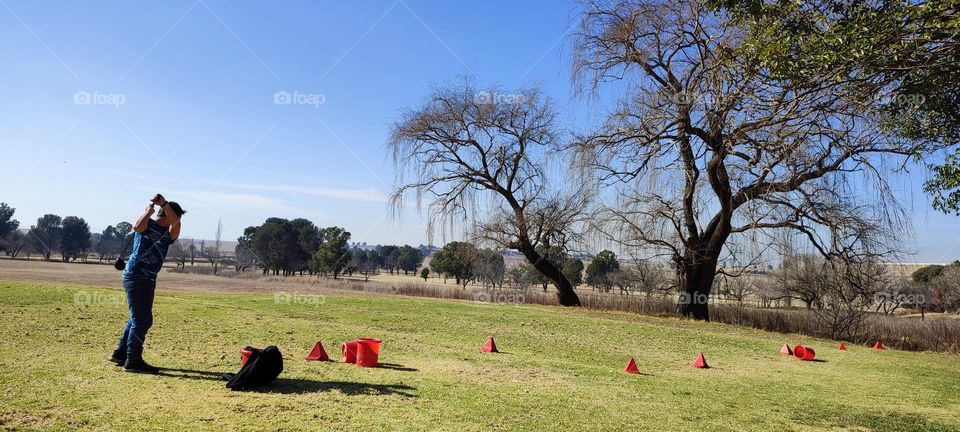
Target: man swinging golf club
pixel 151 239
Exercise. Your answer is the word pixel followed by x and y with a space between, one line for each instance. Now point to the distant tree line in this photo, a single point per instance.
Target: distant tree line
pixel 71 239
pixel 296 247
pixel 288 247
pixel 67 236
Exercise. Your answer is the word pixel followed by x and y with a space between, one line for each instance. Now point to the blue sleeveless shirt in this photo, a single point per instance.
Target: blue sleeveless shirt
pixel 149 251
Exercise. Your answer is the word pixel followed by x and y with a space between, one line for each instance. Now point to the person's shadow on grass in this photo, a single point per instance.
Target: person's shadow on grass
pixel 190 374
pixel 301 386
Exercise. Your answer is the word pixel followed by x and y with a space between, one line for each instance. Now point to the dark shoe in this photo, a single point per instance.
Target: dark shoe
pixel 139 366
pixel 119 357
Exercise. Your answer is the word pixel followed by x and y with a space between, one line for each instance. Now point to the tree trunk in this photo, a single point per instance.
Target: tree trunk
pixel 565 293
pixel 696 291
pixel 696 281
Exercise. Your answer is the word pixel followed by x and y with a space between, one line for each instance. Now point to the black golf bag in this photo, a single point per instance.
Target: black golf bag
pixel 261 369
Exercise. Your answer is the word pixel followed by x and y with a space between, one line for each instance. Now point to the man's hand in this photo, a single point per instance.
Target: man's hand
pixel 158 200
pixel 144 220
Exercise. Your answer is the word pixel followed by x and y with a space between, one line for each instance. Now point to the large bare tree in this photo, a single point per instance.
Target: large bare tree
pixel 703 146
pixel 478 156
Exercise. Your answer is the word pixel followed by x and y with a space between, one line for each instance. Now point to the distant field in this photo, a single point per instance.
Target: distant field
pixel 106 275
pixel 561 369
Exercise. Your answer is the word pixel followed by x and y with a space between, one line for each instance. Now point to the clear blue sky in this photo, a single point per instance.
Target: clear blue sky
pixel 182 102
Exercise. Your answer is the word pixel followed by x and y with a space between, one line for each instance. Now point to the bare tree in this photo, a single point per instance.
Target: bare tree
pixel 518 276
pixel 738 289
pixel 213 253
pixel 180 251
pixel 244 257
pixel 653 278
pixel 708 147
pixel 478 156
pixel 894 292
pixel 852 277
pixel 805 278
pixel 367 269
pixel 625 279
pixel 363 262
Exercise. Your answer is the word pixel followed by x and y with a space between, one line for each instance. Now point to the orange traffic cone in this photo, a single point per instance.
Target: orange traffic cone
pixel 842 347
pixel 878 346
pixel 489 347
pixel 786 350
pixel 631 367
pixel 701 362
pixel 318 353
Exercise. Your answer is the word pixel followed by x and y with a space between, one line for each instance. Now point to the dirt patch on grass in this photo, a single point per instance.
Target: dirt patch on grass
pixel 20 420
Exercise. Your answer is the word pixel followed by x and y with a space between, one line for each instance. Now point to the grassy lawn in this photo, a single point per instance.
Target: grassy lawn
pixel 561 369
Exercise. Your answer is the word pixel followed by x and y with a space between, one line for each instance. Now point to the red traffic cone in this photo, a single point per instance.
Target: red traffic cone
pixel 631 367
pixel 842 347
pixel 489 346
pixel 701 362
pixel 878 346
pixel 786 350
pixel 318 353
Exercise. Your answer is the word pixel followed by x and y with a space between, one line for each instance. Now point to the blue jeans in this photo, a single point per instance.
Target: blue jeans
pixel 140 300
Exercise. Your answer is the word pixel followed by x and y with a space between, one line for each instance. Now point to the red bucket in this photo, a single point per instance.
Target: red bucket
pixel 804 353
pixel 375 343
pixel 368 351
pixel 244 356
pixel 349 351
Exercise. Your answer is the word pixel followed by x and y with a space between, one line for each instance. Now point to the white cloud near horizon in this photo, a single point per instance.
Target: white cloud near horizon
pixel 357 194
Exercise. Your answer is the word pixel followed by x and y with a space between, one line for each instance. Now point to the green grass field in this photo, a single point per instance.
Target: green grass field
pixel 561 369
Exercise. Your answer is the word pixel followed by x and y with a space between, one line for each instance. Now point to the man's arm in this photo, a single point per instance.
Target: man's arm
pixel 174 229
pixel 143 221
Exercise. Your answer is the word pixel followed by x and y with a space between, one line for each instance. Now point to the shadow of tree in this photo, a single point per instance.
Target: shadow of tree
pixel 299 386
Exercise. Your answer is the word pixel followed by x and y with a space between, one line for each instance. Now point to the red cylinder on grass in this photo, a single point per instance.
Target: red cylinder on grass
pixel 349 351
pixel 804 353
pixel 368 352
pixel 375 343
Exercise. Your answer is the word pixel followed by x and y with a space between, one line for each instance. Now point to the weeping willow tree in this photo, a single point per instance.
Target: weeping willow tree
pixel 477 157
pixel 703 147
